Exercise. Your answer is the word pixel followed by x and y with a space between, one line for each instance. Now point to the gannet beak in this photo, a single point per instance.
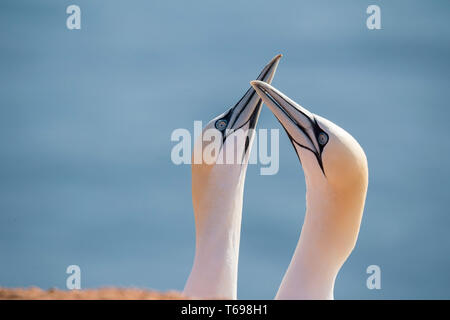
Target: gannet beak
pixel 299 123
pixel 248 108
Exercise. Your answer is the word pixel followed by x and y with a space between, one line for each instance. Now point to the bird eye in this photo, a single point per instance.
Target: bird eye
pixel 322 138
pixel 221 124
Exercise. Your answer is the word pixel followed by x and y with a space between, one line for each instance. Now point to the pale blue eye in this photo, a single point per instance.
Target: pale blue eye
pixel 221 124
pixel 322 138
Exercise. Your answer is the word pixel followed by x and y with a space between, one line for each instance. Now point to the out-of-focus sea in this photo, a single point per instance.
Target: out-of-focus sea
pixel 86 117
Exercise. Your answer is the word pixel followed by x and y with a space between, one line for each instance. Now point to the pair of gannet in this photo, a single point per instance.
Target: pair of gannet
pixel 336 174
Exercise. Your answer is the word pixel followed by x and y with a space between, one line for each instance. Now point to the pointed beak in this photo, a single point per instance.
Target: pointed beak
pixel 248 108
pixel 268 72
pixel 299 123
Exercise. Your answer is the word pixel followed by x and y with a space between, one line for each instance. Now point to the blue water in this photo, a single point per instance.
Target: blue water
pixel 86 118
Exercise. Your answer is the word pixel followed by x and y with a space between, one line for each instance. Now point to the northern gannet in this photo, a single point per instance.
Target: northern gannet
pixel 336 174
pixel 217 192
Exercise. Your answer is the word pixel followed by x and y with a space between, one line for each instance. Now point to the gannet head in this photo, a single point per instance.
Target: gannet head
pixel 226 140
pixel 335 168
pixel 235 127
pixel 327 152
pixel 217 184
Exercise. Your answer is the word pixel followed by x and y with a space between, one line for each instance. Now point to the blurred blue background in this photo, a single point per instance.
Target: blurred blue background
pixel 86 117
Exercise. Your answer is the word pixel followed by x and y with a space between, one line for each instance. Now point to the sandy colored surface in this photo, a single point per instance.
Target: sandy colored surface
pixel 89 294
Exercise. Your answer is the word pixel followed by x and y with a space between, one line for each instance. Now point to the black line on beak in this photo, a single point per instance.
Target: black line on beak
pixel 262 76
pixel 314 124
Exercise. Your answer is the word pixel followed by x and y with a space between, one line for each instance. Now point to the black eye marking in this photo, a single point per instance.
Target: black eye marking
pixel 322 138
pixel 221 124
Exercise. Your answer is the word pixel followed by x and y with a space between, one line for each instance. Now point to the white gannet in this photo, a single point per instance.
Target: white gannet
pixel 217 192
pixel 336 175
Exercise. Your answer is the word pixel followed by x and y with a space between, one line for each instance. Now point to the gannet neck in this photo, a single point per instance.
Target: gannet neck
pixel 336 176
pixel 328 236
pixel 218 215
pixel 311 272
pixel 217 194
